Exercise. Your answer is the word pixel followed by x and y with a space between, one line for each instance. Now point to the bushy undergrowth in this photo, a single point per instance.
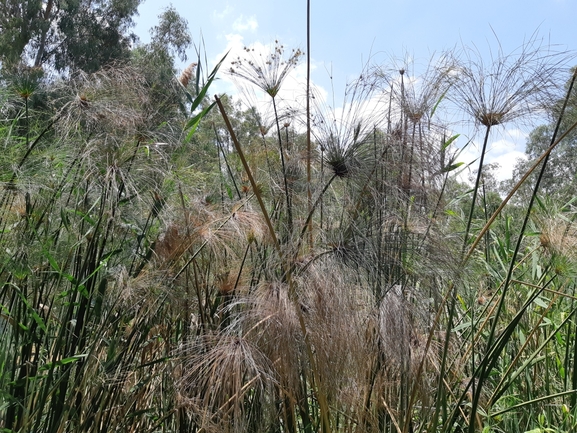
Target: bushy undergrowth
pixel 228 275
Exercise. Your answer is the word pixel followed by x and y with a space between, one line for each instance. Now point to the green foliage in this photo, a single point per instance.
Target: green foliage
pixel 171 33
pixel 81 211
pixel 68 35
pixel 559 179
pixel 19 23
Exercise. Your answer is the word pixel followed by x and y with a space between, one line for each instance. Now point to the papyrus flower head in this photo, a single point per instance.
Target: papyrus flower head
pixel 417 94
pixel 342 131
pixel 267 71
pixel 511 86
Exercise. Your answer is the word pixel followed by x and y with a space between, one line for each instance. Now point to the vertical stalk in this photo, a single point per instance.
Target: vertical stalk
pixel 286 190
pixel 228 169
pixel 322 180
pixel 486 211
pixel 27 123
pixel 487 366
pixel 309 196
pixel 476 188
pixel 316 378
pixel 266 153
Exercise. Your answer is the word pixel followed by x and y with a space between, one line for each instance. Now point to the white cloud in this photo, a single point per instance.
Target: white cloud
pixel 503 146
pixel 507 162
pixel 512 140
pixel 242 24
pixel 504 151
pixel 223 13
pixel 517 134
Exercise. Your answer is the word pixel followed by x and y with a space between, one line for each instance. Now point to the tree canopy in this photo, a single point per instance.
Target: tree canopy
pixel 560 177
pixel 67 34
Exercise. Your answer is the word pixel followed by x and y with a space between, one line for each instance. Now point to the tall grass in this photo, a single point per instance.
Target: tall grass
pixel 334 285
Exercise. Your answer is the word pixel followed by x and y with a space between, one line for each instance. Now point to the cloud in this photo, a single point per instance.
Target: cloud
pixel 516 134
pixel 234 42
pixel 504 151
pixel 507 162
pixel 513 141
pixel 242 24
pixel 503 146
pixel 223 13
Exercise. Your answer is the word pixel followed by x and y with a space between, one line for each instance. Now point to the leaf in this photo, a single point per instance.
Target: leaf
pixel 541 302
pixel 51 260
pixel 200 97
pixel 193 123
pixel 450 140
pixel 60 362
pixel 460 327
pixel 103 262
pixel 452 167
pixel 522 338
pixel 438 102
pixel 540 203
pixel 186 93
pixel 65 219
pixel 84 216
pixel 39 321
pixel 228 191
pixel 31 310
pixel 56 268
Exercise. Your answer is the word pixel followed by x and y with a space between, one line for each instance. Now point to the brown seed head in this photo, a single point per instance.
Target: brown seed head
pixel 187 74
pixel 490 118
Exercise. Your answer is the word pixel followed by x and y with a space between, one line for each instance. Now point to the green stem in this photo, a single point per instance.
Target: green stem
pixel 476 189
pixel 286 190
pixel 486 368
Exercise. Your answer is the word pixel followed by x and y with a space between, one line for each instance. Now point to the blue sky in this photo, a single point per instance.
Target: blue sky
pixel 345 34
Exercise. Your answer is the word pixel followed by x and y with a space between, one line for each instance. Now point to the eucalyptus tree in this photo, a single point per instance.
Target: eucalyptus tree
pixel 560 178
pixel 80 34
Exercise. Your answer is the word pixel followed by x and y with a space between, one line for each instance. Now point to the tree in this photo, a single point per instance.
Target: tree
pixel 155 62
pixel 73 34
pixel 19 22
pixel 560 177
pixel 171 34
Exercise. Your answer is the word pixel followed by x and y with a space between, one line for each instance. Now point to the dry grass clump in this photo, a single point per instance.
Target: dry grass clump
pixel 110 100
pixel 559 236
pixel 403 329
pixel 230 380
pixel 335 311
pixel 209 227
pixel 269 318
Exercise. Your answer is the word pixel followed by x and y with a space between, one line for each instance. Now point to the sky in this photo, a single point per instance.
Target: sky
pixel 344 36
